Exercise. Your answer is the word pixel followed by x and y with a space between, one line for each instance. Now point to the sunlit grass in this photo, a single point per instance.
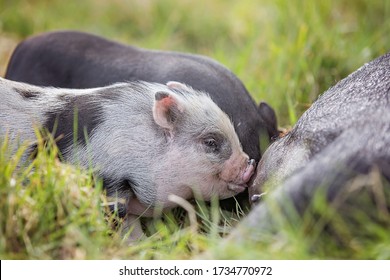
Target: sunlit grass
pixel 49 209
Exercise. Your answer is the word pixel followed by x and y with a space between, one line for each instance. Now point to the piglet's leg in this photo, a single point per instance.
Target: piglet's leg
pixel 135 207
pixel 132 229
pixel 131 225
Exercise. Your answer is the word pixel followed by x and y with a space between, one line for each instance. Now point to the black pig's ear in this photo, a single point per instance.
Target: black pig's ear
pixel 167 109
pixel 269 117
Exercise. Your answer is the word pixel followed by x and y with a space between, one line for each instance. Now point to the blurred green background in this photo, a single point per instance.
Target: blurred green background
pixel 285 52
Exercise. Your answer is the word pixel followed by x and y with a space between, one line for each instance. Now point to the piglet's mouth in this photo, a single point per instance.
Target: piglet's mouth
pixel 236 188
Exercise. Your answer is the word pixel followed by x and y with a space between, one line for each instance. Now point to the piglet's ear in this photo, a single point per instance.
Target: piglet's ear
pixel 166 110
pixel 269 117
pixel 177 85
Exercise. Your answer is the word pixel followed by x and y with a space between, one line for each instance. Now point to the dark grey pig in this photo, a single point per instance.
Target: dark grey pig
pixel 344 134
pixel 145 140
pixel 78 60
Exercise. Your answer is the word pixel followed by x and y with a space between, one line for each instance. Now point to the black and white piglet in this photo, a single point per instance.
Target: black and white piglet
pixel 145 140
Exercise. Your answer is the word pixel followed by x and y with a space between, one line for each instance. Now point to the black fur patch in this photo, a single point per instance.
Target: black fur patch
pixel 218 145
pixel 69 124
pixel 27 94
pixel 161 95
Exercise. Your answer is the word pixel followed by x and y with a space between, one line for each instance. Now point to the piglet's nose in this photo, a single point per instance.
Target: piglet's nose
pixel 250 169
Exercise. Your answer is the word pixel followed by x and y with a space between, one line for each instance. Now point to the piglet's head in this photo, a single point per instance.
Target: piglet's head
pixel 202 152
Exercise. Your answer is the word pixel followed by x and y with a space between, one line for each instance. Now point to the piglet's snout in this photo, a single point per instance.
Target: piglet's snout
pixel 238 172
pixel 249 170
pixel 245 172
pixel 239 184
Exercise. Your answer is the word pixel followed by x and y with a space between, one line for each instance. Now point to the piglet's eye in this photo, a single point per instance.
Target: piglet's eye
pixel 211 145
pixel 210 142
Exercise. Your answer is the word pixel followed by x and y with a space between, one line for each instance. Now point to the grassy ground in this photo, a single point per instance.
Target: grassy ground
pixel 285 52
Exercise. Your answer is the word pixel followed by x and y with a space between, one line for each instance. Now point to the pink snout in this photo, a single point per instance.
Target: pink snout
pixel 250 169
pixel 240 183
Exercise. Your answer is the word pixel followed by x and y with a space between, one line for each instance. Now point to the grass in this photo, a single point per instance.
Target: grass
pixel 285 52
pixel 354 226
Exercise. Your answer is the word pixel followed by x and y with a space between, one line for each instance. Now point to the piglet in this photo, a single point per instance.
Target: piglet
pixel 145 140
